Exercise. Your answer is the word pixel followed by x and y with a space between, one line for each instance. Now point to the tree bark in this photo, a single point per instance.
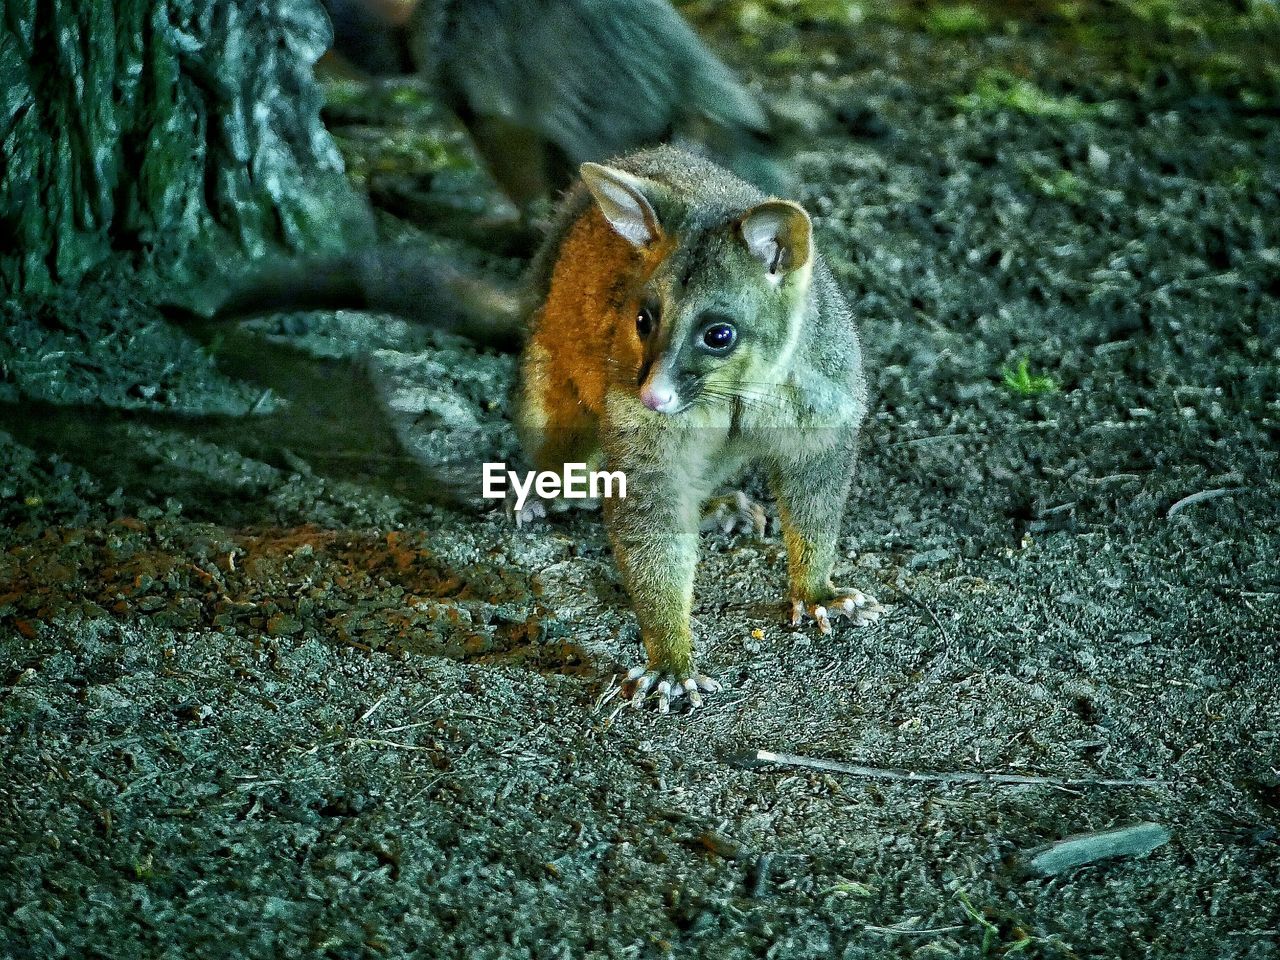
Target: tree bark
pixel 173 132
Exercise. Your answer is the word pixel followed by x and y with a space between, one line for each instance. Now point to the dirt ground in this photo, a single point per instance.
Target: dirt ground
pixel 276 685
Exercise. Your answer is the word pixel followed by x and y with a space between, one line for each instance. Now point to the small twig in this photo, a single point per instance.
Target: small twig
pixel 1032 427
pixel 758 757
pixel 257 404
pixel 1200 497
pixel 1113 476
pixel 946 639
pixel 1191 285
pixel 407 726
pixel 209 578
pixel 910 931
pixel 429 784
pixel 426 706
pixel 360 455
pixel 372 710
pixel 608 721
pixel 469 716
pixel 937 438
pixel 377 741
pixel 609 693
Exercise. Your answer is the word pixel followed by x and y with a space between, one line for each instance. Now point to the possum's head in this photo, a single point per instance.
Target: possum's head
pixel 719 312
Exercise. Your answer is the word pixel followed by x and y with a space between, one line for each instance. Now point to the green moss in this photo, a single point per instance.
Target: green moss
pixel 954 20
pixel 997 90
pixel 758 18
pixel 406 152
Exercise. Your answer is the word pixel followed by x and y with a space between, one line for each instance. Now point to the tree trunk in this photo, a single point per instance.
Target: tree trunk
pixel 175 132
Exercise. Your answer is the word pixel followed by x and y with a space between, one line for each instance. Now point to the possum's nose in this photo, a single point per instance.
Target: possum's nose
pixel 659 396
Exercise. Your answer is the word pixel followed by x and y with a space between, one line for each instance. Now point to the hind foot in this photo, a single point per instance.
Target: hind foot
pixel 861 608
pixel 669 687
pixel 735 511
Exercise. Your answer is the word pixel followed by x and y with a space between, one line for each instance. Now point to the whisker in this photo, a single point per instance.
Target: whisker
pixel 737 390
pixel 747 399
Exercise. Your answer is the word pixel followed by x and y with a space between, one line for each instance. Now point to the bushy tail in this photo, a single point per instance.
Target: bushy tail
pixel 416 284
pixel 596 78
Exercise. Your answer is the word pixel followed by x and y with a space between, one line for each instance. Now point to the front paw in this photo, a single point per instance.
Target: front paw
pixel 861 608
pixel 530 512
pixel 669 686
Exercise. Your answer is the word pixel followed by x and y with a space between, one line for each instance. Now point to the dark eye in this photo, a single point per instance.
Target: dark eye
pixel 719 337
pixel 644 322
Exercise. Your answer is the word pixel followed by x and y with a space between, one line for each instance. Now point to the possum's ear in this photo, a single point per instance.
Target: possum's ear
pixel 778 234
pixel 622 199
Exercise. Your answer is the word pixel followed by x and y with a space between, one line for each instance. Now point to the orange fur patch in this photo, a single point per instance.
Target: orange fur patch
pixel 594 296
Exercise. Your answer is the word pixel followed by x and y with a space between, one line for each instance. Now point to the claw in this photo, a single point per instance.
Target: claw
pixel 690 686
pixel 642 683
pixel 641 690
pixel 855 605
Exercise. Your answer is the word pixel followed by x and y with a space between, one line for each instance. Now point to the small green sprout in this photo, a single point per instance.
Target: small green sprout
pixel 1064 185
pixel 1024 383
pixel 993 940
pixel 990 932
pixel 846 888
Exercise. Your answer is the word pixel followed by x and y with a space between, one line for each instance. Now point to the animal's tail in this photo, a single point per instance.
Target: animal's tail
pixel 410 282
pixel 595 78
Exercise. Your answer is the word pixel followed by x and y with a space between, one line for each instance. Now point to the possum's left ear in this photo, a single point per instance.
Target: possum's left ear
pixel 779 234
pixel 624 201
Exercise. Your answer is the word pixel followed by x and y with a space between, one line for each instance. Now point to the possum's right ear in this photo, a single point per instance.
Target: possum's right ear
pixel 621 198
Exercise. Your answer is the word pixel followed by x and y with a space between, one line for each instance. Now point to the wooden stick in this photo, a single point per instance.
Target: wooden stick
pixel 1201 497
pixel 756 758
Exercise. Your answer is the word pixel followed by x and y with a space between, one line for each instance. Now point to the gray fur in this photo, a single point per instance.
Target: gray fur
pixel 541 63
pixel 788 395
